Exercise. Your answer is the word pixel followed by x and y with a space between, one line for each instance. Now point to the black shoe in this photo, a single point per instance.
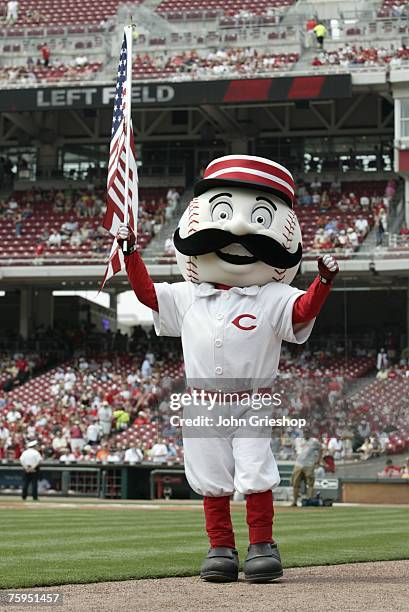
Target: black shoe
pixel 221 565
pixel 262 563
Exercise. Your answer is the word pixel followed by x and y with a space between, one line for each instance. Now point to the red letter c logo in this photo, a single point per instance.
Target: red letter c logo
pixel 237 323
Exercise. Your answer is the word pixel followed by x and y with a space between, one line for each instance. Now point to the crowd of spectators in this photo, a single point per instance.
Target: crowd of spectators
pixel 65 221
pixel 114 407
pixel 79 410
pixel 43 70
pixel 335 216
pixel 193 65
pixel 350 424
pixel 350 56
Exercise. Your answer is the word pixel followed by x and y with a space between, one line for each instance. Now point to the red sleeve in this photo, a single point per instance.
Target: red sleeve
pixel 307 306
pixel 140 281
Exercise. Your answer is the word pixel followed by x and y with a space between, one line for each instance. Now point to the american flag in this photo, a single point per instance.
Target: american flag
pixel 121 143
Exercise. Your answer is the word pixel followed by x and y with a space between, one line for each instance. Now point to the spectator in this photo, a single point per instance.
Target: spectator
pixel 76 437
pixel 19 223
pixel 93 433
pixel 390 470
pixel 146 368
pixel 54 239
pixel 320 32
pixel 133 455
pixel 30 461
pixel 308 457
pixel 381 360
pixel 159 452
pixel 45 54
pixel 58 443
pixel 105 418
pixel 361 226
pixel 13 416
pixel 366 449
pixel 122 419
pixel 12 12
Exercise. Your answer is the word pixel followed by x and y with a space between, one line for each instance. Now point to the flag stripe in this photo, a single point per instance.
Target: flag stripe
pixel 117 201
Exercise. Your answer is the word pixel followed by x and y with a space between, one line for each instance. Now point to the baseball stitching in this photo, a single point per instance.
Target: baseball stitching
pixel 288 234
pixel 193 220
pixel 289 229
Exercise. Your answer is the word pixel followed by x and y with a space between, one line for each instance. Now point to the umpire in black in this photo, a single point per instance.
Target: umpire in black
pixel 30 460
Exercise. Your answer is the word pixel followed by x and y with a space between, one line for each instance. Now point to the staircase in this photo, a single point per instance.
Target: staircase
pixel 156 247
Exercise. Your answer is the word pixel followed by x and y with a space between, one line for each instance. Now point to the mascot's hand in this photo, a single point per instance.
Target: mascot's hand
pixel 328 268
pixel 126 234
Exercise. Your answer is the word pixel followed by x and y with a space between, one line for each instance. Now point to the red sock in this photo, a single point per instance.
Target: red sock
pixel 218 521
pixel 260 512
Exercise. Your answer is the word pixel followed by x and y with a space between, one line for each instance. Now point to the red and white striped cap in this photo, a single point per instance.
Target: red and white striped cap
pixel 248 170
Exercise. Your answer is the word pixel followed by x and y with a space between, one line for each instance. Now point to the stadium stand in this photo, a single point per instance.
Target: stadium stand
pixel 393 8
pixel 222 62
pixel 57 13
pixel 242 9
pixel 352 56
pixel 59 226
pixel 52 74
pixel 339 216
pixel 64 401
pixel 66 225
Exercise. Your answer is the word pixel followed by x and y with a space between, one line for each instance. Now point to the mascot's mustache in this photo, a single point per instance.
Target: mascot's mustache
pixel 262 247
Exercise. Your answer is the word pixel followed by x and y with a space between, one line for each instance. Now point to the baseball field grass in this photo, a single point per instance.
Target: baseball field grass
pixel 54 545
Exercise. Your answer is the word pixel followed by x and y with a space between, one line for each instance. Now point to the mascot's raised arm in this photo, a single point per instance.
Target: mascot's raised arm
pixel 238 246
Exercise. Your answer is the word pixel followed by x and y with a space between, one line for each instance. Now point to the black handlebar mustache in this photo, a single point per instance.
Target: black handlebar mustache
pixel 262 247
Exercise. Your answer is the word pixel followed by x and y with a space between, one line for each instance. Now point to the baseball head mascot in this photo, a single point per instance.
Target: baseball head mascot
pixel 238 246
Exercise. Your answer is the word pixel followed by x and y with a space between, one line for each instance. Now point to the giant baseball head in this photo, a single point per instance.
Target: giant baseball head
pixel 240 229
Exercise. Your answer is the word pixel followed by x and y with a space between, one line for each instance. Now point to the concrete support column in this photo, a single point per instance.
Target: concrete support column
pixel 47 160
pixel 26 309
pixel 43 308
pixel 113 301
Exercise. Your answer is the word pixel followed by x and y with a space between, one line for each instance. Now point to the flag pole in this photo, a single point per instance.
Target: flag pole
pixel 128 35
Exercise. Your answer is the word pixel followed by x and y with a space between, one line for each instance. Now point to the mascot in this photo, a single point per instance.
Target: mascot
pixel 238 247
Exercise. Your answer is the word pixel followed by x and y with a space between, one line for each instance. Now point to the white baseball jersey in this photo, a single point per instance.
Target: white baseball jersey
pixel 229 334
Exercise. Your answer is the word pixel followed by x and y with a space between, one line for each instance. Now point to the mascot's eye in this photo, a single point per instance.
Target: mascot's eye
pixel 222 211
pixel 262 216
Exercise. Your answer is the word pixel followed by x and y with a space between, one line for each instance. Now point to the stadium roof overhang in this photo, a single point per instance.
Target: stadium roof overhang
pixel 321 105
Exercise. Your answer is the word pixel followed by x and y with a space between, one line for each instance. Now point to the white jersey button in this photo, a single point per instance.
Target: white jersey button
pixel 219 317
pixel 219 370
pixel 218 342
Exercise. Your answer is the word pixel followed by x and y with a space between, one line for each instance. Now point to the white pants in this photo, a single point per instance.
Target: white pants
pixel 218 466
pixel 106 427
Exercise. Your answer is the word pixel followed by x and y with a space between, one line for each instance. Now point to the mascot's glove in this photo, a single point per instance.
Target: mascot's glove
pixel 328 268
pixel 126 234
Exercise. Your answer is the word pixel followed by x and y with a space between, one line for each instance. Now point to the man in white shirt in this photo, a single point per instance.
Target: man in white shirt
pixel 133 455
pixel 105 418
pixel 30 460
pixel 12 12
pixel 13 416
pixel 361 225
pixel 308 458
pixel 146 368
pixel 159 452
pixel 58 443
pixel 4 434
pixel 93 433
